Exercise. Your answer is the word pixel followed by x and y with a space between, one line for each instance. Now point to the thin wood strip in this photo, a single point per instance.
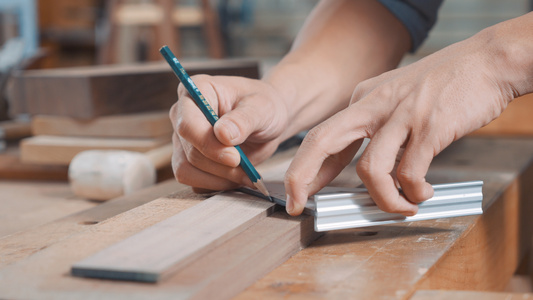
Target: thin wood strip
pixel 144 125
pixel 56 150
pixel 170 245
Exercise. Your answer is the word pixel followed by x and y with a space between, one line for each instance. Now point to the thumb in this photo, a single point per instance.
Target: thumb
pixel 235 126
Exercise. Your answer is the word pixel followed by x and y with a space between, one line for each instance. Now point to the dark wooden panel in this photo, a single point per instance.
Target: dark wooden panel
pixel 89 92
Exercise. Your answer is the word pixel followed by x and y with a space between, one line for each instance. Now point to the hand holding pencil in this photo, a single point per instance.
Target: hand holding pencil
pixel 205 156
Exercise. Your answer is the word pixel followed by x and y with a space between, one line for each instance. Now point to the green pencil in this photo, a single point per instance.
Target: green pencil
pixel 211 116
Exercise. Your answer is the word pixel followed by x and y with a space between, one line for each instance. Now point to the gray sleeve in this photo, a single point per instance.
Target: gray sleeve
pixel 418 16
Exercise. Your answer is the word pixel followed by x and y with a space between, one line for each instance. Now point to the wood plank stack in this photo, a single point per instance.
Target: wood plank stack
pixel 103 107
pixel 58 139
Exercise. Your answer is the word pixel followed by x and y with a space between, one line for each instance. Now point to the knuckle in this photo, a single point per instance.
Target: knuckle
pixel 183 128
pixel 315 136
pixel 361 89
pixel 181 171
pixel 407 176
pixel 291 178
pixel 173 112
pixel 195 158
pixel 364 169
pixel 205 148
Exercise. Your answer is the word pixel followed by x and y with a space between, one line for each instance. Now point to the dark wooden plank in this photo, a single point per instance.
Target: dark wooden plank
pixel 90 92
pixel 12 168
pixel 170 245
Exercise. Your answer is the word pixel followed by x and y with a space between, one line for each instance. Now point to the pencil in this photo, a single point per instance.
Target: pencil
pixel 210 114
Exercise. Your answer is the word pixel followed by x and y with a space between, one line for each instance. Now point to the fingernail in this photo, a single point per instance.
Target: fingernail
pixel 290 206
pixel 231 129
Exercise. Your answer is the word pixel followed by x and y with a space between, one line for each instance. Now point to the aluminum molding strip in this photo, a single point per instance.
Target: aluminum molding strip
pixel 337 208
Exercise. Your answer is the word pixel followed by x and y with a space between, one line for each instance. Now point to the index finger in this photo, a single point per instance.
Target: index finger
pixel 190 123
pixel 376 165
pixel 308 169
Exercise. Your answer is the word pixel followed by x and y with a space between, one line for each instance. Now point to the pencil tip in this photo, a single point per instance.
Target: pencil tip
pixel 260 185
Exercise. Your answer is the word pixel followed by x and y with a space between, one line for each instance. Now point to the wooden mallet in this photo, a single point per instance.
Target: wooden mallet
pixel 107 174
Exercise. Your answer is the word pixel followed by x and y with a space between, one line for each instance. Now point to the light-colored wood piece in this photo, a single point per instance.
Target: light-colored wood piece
pixel 23 244
pixel 145 125
pixel 172 244
pixel 161 156
pixel 467 295
pixel 24 207
pixel 56 150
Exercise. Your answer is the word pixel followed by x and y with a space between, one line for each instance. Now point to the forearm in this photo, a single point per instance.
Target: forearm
pixel 342 43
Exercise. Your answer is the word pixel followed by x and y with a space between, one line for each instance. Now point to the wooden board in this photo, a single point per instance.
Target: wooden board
pixel 23 244
pixel 515 120
pixel 172 244
pixel 25 207
pixel 393 261
pixel 90 92
pixel 56 150
pixel 143 125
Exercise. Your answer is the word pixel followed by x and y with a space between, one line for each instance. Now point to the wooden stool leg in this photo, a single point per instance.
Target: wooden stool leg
pixel 108 46
pixel 212 31
pixel 165 33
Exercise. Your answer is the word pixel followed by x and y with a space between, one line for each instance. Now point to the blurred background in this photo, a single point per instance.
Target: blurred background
pixel 63 33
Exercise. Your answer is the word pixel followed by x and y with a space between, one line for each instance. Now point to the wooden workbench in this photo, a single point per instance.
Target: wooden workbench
pixel 399 261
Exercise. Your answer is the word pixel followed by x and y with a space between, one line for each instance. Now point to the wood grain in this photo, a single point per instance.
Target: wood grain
pixel 496 244
pixel 57 150
pixel 143 125
pixel 216 275
pixel 23 208
pixel 23 244
pixel 90 92
pixel 393 261
pixel 172 244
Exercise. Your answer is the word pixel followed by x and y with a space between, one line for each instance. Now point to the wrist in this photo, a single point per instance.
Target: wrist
pixel 279 81
pixel 510 55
